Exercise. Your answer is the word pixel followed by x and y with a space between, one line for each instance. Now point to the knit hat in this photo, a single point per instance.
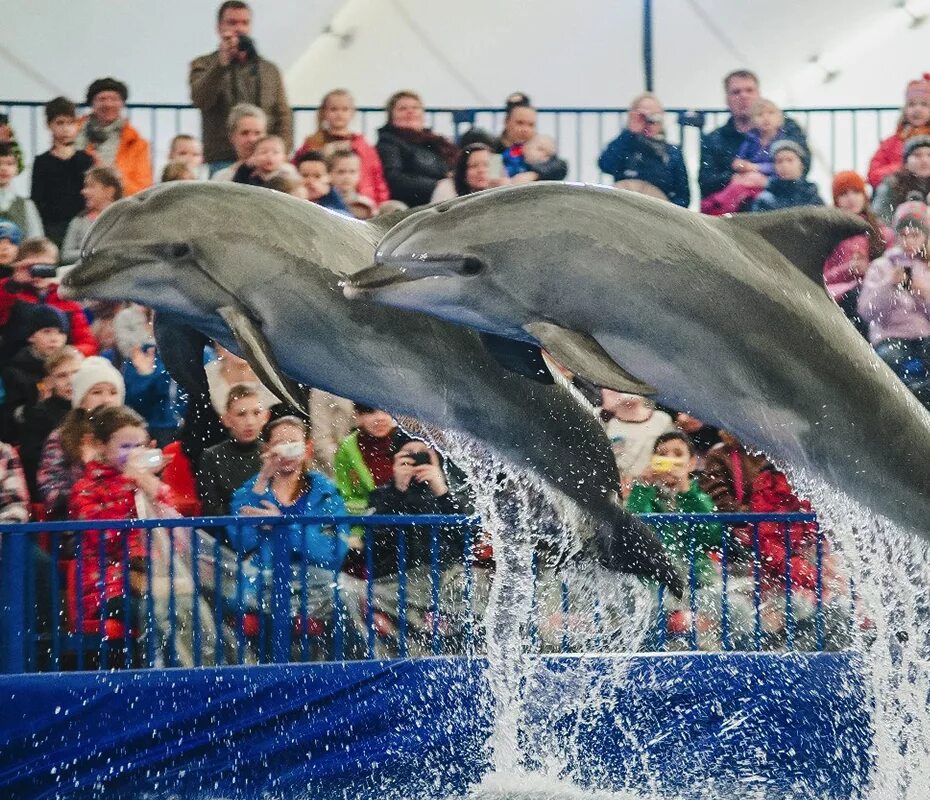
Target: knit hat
pixel 913 143
pixel 847 181
pixel 10 230
pixel 93 370
pixel 39 316
pixel 107 85
pixel 919 88
pixel 788 144
pixel 912 214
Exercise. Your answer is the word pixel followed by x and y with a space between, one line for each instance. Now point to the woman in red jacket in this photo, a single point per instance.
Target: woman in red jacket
pixel 915 121
pixel 334 117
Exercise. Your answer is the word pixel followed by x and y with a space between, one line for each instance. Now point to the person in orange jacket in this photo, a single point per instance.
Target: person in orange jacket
pixel 109 137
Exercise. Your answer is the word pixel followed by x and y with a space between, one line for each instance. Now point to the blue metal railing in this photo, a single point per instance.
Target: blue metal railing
pixel 223 607
pixel 840 138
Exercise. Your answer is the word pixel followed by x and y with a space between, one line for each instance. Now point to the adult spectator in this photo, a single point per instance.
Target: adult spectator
pixel 10 238
pixel 632 424
pixel 58 173
pixel 102 188
pixel 910 182
pixel 720 147
pixel 228 370
pixel 110 138
pixel 894 302
pixel 914 121
pixel 414 158
pixel 520 128
pixel 641 152
pixel 246 126
pixel 845 267
pixel 17 209
pixel 334 117
pixel 234 73
pixel 14 497
pixel 472 173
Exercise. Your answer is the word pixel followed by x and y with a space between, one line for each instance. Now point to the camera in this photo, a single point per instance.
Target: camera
pixel 663 464
pixel 152 459
pixel 419 459
pixel 289 449
pixel 247 46
pixel 43 270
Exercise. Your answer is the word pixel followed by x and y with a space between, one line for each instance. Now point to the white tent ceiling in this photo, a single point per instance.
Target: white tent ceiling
pixel 581 53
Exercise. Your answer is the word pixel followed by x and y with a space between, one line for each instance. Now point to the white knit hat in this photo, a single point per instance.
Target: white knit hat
pixel 93 370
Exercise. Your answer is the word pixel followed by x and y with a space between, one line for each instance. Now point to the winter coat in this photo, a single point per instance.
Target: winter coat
pixel 892 311
pixel 895 189
pixel 731 198
pixel 56 476
pixel 353 476
pixel 178 476
pixel 133 159
pixel 56 190
pixel 632 156
pixel 838 274
pixel 728 476
pixel 223 468
pixel 38 422
pixel 215 89
pixel 324 546
pixel 677 539
pixel 720 147
pixel 371 182
pixel 414 162
pixel 103 492
pixel 787 194
pixel 21 381
pixel 14 499
pixel 80 335
pixel 154 396
pixel 889 157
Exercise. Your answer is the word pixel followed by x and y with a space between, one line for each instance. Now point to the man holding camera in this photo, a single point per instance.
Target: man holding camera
pixel 235 73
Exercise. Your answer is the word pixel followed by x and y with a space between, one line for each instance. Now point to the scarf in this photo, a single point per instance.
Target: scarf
pixel 104 139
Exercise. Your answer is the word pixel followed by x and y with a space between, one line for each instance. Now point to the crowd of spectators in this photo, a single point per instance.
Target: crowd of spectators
pixel 93 426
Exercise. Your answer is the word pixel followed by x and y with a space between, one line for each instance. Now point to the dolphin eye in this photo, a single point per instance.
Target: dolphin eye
pixel 471 266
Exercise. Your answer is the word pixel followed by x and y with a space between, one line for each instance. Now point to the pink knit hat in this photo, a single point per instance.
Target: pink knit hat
pixel 919 88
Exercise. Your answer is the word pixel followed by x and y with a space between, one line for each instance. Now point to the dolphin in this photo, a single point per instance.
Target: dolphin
pixel 726 318
pixel 259 271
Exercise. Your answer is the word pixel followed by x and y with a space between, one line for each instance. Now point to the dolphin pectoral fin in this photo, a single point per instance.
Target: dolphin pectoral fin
pixel 523 358
pixel 180 348
pixel 805 236
pixel 255 350
pixel 582 354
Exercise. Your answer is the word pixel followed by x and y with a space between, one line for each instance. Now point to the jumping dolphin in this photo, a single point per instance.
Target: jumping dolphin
pixel 259 271
pixel 726 318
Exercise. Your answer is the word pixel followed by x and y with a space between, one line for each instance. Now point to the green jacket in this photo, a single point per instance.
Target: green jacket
pixel 645 499
pixel 353 478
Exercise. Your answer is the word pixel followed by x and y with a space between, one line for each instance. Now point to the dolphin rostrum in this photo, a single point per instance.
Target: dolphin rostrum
pixel 259 271
pixel 724 317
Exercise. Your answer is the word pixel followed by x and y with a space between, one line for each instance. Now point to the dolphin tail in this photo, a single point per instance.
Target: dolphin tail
pixel 623 543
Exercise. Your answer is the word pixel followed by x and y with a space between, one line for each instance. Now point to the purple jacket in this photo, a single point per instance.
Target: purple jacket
pixel 892 311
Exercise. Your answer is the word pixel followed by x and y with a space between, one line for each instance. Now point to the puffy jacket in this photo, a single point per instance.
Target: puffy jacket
pixel 892 311
pixel 631 156
pixel 411 169
pixel 133 159
pixel 80 336
pixel 889 157
pixel 371 182
pixel 787 194
pixel 838 274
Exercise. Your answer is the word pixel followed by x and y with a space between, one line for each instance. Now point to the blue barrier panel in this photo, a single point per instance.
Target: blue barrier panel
pixel 702 725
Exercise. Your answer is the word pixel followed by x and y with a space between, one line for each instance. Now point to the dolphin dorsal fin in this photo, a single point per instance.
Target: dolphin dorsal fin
pixel 805 236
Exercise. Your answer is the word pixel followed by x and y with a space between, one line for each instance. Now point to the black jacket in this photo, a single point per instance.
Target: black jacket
pixel 412 170
pixel 38 422
pixel 21 382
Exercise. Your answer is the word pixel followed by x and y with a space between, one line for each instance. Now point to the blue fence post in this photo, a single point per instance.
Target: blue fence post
pixel 821 635
pixel 281 595
pixel 724 598
pixel 13 601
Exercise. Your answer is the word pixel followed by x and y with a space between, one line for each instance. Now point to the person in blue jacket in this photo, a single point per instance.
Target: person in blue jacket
pixel 641 152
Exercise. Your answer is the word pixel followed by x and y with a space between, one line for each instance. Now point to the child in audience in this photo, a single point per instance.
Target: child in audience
pixel 345 168
pixel 8 136
pixel 10 237
pixel 268 159
pixel 102 188
pixel 46 415
pixel 58 174
pixel 910 182
pixel 177 171
pixel 767 128
pixel 312 168
pixel 96 384
pixel 914 121
pixel 287 183
pixel 44 331
pixel 365 459
pixel 188 150
pixel 228 370
pixel 788 188
pixel 20 210
pixel 632 424
pixel 893 300
pixel 228 465
pixel 540 154
pixel 24 288
pixel 845 267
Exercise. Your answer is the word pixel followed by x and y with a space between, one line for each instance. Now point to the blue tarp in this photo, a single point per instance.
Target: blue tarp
pixel 419 728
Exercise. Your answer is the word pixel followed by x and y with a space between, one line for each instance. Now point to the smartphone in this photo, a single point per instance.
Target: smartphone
pixel 496 165
pixel 43 270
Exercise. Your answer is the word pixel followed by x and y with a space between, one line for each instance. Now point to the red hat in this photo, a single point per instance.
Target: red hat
pixel 919 88
pixel 848 181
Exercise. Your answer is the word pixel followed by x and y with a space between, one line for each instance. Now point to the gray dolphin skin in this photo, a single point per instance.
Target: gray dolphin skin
pixel 259 271
pixel 726 318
